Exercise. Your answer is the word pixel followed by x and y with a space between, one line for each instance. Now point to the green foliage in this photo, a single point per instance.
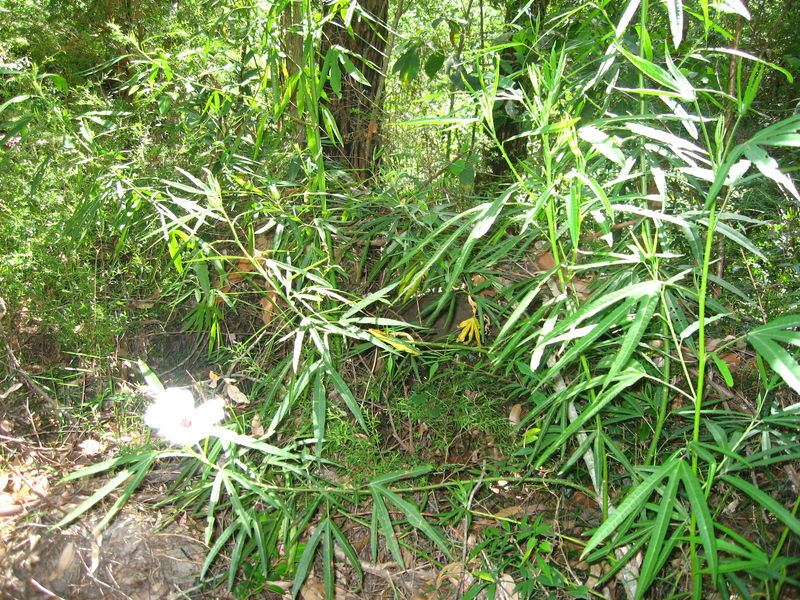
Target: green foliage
pixel 636 236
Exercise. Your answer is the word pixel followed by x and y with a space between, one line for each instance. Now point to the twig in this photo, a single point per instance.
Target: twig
pixel 44 590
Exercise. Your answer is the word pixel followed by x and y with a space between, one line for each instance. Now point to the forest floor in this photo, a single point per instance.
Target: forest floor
pixel 153 549
pixel 148 551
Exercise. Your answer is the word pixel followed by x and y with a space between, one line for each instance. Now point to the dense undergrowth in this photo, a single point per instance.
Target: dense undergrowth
pixel 613 317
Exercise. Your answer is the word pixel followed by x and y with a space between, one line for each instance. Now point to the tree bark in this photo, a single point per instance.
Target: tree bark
pixel 358 112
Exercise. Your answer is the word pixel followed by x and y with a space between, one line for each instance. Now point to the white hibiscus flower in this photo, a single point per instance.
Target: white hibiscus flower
pixel 175 417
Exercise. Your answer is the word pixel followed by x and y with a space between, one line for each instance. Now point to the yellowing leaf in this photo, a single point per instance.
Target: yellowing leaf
pixel 470 331
pixel 394 342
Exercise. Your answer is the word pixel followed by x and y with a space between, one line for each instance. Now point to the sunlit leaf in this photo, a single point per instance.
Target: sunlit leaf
pixel 630 11
pixel 603 143
pixel 675 14
pixel 732 6
pixel 769 168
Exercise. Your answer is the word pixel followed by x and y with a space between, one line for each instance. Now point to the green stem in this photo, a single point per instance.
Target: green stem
pixel 661 416
pixel 697 578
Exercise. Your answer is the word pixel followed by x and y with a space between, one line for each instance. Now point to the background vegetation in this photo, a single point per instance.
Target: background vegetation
pixel 437 258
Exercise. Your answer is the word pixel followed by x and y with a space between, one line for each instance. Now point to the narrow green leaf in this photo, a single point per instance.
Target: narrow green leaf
pixel 585 337
pixel 236 502
pixel 626 379
pixel 480 224
pixel 353 71
pixel 139 471
pixel 237 555
pixel 384 523
pixel 367 300
pixel 347 549
pixel 125 459
pixel 766 501
pixel 101 493
pixel 783 363
pixel 787 322
pixel 306 560
pixel 219 544
pixel 329 122
pixel 735 236
pixel 319 411
pixel 652 564
pixel 722 367
pixel 153 382
pixel 15 100
pixel 702 515
pixel 213 501
pixel 327 558
pixel 574 214
pixel 786 337
pixel 640 324
pixel 417 521
pixel 263 553
pixel 398 475
pixel 663 77
pixel 633 501
pixel 603 143
pixel 349 400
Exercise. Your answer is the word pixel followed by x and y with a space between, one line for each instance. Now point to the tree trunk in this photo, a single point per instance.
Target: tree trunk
pixel 357 112
pixel 292 44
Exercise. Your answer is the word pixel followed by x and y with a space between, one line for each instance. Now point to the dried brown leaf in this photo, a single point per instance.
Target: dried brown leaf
pixel 236 395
